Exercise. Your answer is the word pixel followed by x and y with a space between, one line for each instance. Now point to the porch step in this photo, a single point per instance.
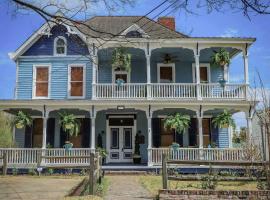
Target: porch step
pixel 126 172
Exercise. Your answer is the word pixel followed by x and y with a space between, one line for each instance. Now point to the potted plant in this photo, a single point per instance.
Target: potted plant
pixel 224 120
pixel 120 82
pixel 137 155
pixel 221 57
pixel 121 59
pixel 175 146
pixel 178 123
pixel 70 124
pixel 103 153
pixel 22 119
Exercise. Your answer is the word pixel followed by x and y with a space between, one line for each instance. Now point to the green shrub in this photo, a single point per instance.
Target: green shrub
pixel 209 182
pixel 6 135
pixel 14 171
pixel 32 171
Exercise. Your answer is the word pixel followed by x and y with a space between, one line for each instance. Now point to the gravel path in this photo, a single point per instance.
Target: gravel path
pixel 126 188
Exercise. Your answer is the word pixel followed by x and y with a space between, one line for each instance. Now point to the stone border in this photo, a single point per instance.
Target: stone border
pixel 212 194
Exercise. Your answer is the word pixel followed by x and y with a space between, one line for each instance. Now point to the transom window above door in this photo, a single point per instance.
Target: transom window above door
pixel 76 81
pixel 166 73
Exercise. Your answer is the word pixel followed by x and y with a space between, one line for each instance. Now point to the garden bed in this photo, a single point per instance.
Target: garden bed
pixel 154 185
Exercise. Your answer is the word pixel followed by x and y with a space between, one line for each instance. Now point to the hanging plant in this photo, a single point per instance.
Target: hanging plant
pixel 70 124
pixel 221 57
pixel 121 59
pixel 177 122
pixel 224 120
pixel 22 120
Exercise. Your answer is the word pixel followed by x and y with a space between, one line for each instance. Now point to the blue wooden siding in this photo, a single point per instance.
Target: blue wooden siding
pixel 45 45
pixel 59 76
pixel 223 138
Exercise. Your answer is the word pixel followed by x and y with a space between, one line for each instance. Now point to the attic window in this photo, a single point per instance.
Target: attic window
pixel 134 34
pixel 60 46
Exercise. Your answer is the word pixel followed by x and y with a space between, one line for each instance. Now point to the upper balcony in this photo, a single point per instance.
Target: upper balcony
pixel 167 74
pixel 172 91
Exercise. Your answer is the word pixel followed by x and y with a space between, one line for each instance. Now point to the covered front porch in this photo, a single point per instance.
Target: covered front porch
pixel 114 127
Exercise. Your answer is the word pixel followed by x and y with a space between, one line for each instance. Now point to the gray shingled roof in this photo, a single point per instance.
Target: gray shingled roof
pixel 117 24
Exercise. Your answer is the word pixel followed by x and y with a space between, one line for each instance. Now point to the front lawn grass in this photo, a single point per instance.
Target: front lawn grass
pixel 154 183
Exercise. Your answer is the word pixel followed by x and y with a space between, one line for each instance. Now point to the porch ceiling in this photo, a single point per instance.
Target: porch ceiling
pixel 106 54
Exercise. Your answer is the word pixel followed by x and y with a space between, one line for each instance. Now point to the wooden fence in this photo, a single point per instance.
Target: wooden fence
pixel 3 158
pixel 166 163
pixel 94 167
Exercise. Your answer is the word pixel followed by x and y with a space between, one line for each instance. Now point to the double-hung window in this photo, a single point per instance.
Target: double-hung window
pixel 41 81
pixel 76 81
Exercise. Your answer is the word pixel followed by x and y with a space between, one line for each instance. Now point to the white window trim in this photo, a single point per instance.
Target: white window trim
pixel 120 72
pixel 69 79
pixel 34 81
pixel 54 46
pixel 201 65
pixel 172 65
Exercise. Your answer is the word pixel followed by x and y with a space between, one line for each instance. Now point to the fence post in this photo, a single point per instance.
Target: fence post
pixel 91 174
pixel 5 163
pixel 164 171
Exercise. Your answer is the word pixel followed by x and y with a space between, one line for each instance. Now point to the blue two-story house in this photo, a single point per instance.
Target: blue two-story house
pixel 62 67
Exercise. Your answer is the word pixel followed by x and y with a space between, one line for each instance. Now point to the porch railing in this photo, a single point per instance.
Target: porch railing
pixel 124 91
pixel 211 154
pixel 228 91
pixel 29 157
pixel 170 91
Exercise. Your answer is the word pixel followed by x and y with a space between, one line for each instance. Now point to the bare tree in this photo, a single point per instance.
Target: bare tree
pixel 261 98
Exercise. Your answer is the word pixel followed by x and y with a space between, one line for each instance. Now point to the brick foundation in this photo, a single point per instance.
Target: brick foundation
pixel 211 194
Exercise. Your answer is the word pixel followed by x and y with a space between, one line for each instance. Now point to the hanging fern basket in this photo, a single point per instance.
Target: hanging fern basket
pixel 121 59
pixel 19 125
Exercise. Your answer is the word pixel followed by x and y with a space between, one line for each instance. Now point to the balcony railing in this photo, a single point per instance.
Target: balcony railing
pixel 176 91
pixel 125 91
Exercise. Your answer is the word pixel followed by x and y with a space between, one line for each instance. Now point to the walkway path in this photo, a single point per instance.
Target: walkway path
pixel 33 188
pixel 126 188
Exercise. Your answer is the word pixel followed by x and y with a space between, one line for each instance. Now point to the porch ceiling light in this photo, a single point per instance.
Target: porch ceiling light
pixel 120 107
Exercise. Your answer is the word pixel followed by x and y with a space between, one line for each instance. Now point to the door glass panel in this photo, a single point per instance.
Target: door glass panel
pixel 114 138
pixel 127 138
pixel 166 74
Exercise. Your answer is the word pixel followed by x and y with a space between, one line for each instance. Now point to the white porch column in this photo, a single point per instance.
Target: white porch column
pixel 93 129
pixel 94 57
pixel 249 127
pixel 44 130
pixel 198 77
pixel 148 71
pixel 200 132
pixel 150 138
pixel 200 127
pixel 245 57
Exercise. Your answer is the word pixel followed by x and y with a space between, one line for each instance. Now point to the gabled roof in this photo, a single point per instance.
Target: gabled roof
pixel 118 24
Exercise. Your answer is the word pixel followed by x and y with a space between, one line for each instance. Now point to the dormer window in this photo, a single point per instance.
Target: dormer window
pixel 60 46
pixel 134 34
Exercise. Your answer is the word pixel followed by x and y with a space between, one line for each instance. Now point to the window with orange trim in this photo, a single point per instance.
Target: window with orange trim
pixel 76 81
pixel 42 81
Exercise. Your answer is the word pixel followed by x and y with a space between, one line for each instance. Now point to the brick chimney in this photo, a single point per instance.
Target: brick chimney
pixel 169 22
